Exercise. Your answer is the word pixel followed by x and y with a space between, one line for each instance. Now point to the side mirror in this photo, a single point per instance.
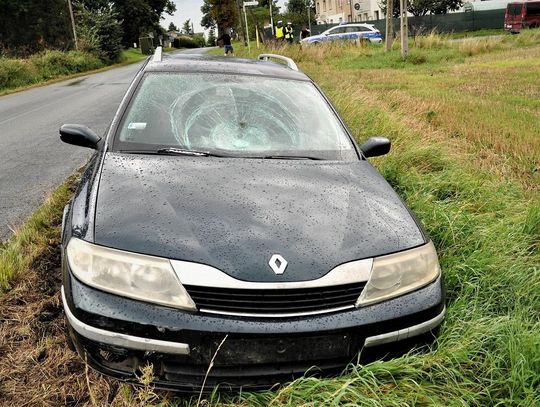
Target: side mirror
pixel 375 146
pixel 79 135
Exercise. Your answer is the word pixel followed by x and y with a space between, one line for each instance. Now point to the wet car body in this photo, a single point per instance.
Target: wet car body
pixel 272 253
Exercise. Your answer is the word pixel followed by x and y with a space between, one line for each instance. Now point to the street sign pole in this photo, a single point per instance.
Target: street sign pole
pixel 248 3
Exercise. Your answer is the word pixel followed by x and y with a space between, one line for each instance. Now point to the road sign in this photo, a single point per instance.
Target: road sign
pixel 251 3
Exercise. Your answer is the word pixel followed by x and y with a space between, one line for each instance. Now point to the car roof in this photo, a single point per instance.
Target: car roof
pixel 354 25
pixel 196 63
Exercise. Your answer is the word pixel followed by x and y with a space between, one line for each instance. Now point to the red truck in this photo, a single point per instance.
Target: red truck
pixel 522 15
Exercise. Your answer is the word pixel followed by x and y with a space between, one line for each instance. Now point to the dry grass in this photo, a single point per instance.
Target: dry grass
pixel 36 368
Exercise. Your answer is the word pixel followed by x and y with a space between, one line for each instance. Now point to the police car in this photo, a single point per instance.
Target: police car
pixel 346 32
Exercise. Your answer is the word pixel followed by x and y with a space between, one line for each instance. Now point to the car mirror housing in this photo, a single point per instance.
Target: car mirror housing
pixel 79 135
pixel 375 146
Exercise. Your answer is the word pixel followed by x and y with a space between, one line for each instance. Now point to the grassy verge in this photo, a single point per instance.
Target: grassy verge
pixel 53 66
pixel 38 233
pixel 478 33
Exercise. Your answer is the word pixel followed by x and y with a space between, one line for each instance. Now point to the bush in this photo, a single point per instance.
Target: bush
pixel 15 73
pixel 200 41
pixel 51 64
pixel 185 42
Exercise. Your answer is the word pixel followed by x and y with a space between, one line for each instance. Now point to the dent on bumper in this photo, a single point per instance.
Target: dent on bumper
pixel 119 339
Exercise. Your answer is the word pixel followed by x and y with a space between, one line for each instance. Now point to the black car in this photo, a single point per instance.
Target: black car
pixel 228 215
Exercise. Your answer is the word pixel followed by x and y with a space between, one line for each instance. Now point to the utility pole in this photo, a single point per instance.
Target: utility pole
pixel 404 29
pixel 271 17
pixel 73 25
pixel 309 14
pixel 389 35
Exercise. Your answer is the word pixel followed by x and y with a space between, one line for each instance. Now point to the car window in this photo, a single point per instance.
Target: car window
pixel 337 30
pixel 236 114
pixel 514 9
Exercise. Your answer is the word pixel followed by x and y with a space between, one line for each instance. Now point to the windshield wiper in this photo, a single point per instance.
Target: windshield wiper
pixel 289 157
pixel 181 151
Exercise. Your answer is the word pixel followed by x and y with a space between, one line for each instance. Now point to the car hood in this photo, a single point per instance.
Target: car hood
pixel 234 214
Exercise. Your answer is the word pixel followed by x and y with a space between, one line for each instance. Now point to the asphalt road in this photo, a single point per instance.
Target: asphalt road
pixel 33 160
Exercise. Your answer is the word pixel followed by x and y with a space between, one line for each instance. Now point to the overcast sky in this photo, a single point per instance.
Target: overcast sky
pixel 189 9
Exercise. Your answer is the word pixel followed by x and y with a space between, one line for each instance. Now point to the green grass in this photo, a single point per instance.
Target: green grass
pixel 478 33
pixel 132 55
pixel 40 231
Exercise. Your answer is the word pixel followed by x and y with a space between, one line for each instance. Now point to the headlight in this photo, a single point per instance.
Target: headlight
pixel 400 273
pixel 132 275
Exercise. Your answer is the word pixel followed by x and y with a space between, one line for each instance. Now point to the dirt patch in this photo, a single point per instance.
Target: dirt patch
pixel 36 365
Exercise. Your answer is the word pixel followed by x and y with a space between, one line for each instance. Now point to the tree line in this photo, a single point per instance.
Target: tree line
pixel 103 26
pixel 226 14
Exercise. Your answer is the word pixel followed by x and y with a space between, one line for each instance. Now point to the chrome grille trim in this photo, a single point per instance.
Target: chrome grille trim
pixel 286 315
pixel 207 276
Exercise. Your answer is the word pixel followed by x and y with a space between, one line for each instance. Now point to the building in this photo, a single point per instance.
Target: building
pixel 338 11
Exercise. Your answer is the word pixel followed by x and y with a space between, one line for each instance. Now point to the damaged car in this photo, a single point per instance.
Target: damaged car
pixel 228 216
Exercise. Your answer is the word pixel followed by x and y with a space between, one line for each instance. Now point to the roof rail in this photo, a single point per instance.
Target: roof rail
pixel 290 63
pixel 158 54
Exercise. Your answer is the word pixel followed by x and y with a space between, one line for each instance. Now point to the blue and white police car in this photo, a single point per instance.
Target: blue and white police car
pixel 346 32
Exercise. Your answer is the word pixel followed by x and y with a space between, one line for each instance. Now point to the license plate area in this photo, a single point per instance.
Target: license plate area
pixel 259 350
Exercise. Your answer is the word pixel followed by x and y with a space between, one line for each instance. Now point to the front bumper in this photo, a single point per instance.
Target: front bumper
pixel 117 336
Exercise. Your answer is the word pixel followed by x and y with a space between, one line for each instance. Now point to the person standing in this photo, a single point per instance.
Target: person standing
pixel 304 33
pixel 289 33
pixel 280 31
pixel 227 44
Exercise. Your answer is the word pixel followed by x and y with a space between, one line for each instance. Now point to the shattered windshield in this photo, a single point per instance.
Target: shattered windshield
pixel 235 115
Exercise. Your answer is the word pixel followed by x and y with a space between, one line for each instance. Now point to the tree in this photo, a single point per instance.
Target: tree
pixel 172 27
pixel 141 17
pixel 423 7
pixel 186 28
pixel 297 6
pixel 27 26
pixel 100 31
pixel 220 14
pixel 211 37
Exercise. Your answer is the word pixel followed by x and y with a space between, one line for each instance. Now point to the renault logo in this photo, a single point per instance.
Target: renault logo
pixel 278 263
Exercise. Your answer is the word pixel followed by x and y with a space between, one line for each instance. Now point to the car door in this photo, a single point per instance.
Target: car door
pixel 335 34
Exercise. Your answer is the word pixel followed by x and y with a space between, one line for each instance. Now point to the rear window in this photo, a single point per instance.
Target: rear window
pixel 514 9
pixel 236 115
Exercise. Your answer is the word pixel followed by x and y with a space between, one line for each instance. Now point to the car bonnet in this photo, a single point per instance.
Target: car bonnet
pixel 235 214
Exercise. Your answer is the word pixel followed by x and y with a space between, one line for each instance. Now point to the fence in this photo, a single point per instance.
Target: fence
pixel 443 23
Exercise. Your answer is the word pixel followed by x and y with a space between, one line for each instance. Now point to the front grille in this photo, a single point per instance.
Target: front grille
pixel 275 302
